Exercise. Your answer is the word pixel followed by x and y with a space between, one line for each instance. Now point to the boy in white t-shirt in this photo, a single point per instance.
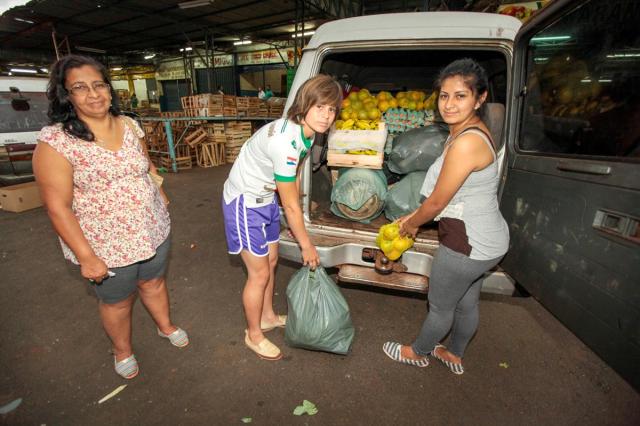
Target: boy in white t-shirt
pixel 268 162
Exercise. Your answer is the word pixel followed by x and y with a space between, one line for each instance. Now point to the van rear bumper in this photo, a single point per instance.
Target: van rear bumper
pixel 497 282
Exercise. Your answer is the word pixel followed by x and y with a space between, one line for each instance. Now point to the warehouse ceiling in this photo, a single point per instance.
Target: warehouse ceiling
pixel 132 29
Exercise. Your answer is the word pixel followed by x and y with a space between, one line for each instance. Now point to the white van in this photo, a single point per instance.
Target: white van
pixel 569 81
pixel 23 112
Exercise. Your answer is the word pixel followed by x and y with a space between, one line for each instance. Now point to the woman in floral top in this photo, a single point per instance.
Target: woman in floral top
pixel 95 178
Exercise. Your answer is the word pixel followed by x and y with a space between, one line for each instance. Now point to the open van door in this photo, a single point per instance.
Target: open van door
pixel 572 191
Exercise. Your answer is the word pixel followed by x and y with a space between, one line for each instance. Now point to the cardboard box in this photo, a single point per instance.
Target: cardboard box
pixel 21 197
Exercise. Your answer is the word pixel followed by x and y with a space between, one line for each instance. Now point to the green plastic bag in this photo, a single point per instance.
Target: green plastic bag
pixel 318 317
pixel 359 194
pixel 404 197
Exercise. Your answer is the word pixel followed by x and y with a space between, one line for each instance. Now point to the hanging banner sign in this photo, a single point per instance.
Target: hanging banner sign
pixel 218 61
pixel 172 70
pixel 270 56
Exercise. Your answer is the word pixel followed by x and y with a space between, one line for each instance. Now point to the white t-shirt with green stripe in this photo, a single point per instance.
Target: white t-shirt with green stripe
pixel 271 154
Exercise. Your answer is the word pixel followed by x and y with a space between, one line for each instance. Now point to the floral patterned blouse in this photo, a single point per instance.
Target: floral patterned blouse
pixel 120 210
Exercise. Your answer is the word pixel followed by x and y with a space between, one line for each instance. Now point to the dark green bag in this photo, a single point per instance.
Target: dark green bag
pixel 318 316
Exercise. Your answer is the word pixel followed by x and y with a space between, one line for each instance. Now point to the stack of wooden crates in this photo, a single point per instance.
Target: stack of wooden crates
pixel 209 105
pixel 236 134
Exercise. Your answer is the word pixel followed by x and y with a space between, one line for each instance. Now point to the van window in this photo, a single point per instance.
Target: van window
pixel 26 112
pixel 583 84
pixel 397 70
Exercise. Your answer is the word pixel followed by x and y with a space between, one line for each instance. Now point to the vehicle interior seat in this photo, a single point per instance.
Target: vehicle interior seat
pixel 492 114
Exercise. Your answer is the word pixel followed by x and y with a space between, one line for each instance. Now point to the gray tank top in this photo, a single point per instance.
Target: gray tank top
pixel 476 204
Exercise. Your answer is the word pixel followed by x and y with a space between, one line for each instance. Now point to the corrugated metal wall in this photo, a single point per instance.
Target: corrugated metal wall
pixel 222 76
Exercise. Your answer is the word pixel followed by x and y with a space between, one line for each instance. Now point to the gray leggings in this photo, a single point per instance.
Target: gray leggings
pixel 454 291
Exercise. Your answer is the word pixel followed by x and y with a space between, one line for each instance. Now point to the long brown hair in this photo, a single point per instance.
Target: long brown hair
pixel 321 89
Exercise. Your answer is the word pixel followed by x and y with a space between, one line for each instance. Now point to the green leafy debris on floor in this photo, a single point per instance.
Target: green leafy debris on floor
pixel 10 406
pixel 246 420
pixel 307 407
pixel 504 365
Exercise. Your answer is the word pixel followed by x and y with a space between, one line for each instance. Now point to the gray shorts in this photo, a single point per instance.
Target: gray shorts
pixel 125 282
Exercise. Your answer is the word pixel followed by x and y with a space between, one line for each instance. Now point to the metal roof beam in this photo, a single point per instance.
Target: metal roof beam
pixel 337 9
pixel 180 21
pixel 215 29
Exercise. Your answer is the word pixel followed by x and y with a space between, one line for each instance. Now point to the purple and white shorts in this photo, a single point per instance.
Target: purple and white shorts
pixel 251 228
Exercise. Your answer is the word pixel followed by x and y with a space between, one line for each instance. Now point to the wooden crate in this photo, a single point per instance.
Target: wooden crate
pixel 196 137
pixel 337 158
pixel 242 106
pixel 210 154
pixel 215 132
pixel 275 111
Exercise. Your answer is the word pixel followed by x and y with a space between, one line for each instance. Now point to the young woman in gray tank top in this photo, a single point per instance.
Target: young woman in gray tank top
pixel 461 189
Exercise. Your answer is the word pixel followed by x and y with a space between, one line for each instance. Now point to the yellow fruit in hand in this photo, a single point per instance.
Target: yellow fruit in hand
pixel 394 254
pixel 402 243
pixel 391 231
pixel 386 246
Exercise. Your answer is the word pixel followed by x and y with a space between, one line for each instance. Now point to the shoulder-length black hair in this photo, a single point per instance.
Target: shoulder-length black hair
pixel 60 108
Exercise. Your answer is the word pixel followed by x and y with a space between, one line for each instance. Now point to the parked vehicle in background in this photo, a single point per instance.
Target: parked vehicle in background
pixel 23 112
pixel 569 151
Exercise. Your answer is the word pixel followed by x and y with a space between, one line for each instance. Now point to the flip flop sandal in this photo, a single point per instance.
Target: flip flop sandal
pixel 392 349
pixel 281 322
pixel 265 349
pixel 454 367
pixel 178 338
pixel 127 368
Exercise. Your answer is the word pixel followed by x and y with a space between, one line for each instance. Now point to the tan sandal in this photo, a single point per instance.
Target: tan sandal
pixel 281 322
pixel 265 349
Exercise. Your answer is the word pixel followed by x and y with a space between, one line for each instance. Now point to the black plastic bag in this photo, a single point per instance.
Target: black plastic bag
pixel 318 317
pixel 417 149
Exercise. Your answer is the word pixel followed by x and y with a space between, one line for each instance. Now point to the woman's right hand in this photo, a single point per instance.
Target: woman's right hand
pixel 310 257
pixel 94 269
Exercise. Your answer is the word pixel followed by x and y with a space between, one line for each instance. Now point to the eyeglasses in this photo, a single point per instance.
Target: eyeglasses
pixel 83 89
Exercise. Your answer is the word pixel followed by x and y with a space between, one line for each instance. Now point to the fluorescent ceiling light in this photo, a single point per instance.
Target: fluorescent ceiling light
pixel 44 70
pixel 194 3
pixel 186 49
pixel 604 80
pixel 150 56
pixel 25 70
pixel 24 20
pixel 306 34
pixel 90 49
pixel 241 42
pixel 116 69
pixel 550 38
pixel 9 73
pixel 624 55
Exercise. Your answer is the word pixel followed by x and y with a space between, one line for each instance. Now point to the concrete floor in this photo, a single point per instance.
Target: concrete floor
pixel 55 356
